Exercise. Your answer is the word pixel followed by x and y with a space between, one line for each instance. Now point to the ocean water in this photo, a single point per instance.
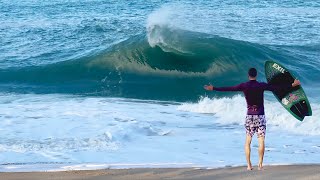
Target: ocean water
pixel 118 84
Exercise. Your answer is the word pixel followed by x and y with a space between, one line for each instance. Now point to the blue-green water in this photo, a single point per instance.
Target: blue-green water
pixel 153 50
pixel 117 83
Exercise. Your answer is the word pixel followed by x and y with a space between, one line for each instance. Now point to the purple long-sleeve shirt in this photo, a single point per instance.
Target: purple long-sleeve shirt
pixel 253 91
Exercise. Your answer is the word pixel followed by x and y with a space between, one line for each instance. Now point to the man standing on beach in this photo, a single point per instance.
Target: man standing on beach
pixel 255 119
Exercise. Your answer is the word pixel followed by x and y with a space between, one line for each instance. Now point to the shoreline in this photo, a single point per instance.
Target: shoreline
pixel 311 171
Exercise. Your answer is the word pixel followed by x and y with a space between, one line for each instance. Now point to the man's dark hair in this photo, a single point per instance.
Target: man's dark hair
pixel 252 72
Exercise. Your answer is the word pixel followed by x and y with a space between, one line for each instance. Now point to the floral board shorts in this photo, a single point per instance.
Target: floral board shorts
pixel 255 124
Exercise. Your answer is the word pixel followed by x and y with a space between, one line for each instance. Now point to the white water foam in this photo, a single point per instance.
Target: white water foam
pixel 159 18
pixel 161 25
pixel 58 132
pixel 233 110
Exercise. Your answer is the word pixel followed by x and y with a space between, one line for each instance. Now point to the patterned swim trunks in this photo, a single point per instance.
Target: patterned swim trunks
pixel 255 124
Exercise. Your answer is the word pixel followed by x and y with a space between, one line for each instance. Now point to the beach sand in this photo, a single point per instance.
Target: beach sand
pixel 269 173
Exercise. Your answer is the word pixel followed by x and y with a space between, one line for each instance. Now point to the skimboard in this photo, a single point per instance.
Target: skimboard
pixel 294 99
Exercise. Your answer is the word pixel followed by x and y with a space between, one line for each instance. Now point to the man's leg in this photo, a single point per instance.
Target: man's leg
pixel 261 151
pixel 261 137
pixel 247 150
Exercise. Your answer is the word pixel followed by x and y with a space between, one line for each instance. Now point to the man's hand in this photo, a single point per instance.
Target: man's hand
pixel 296 83
pixel 208 87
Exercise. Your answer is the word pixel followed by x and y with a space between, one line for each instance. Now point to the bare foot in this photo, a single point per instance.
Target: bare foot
pixel 249 168
pixel 260 167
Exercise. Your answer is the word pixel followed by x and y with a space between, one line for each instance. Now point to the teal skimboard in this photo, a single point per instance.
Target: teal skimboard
pixel 293 99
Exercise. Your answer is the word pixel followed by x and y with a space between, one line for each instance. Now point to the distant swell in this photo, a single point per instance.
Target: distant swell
pixel 168 63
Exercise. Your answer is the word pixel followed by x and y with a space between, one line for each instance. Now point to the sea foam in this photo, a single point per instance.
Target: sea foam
pixel 232 111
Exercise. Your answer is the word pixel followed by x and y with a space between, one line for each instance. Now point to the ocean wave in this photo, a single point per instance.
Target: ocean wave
pixel 232 110
pixel 168 63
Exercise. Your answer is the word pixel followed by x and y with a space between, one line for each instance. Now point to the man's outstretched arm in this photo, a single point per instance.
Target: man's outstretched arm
pixel 231 88
pixel 282 87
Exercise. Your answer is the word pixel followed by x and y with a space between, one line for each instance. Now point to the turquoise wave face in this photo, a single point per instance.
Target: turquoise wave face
pixel 158 50
pixel 168 63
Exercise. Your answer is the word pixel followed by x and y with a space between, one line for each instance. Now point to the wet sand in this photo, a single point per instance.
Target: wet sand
pixel 269 172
